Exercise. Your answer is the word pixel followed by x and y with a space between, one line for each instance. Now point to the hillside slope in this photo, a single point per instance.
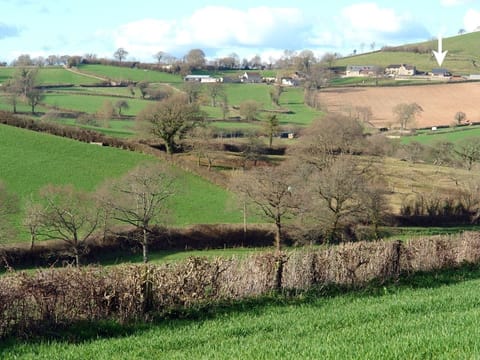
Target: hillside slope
pixel 463 55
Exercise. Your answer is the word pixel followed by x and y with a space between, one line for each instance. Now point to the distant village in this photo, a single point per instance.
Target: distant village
pixel 393 71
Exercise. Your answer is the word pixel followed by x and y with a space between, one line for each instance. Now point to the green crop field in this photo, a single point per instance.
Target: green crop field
pixel 31 160
pixel 462 50
pixel 47 76
pixel 90 103
pixel 454 135
pixel 432 316
pixel 122 73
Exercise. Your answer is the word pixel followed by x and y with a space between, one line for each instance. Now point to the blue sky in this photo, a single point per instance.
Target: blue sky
pixel 246 27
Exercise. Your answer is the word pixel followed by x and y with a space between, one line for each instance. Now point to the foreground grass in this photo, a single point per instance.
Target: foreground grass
pixel 426 316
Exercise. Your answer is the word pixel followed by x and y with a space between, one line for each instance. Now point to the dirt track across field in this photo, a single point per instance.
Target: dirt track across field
pixel 440 102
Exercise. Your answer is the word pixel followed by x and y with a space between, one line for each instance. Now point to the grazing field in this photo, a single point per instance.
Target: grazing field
pixel 461 58
pixel 123 73
pixel 439 102
pixel 49 76
pixel 426 316
pixel 90 103
pixel 454 135
pixel 31 160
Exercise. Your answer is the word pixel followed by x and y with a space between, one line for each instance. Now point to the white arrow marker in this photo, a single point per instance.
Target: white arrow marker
pixel 440 54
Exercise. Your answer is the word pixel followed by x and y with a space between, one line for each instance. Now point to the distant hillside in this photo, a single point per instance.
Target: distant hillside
pixel 463 55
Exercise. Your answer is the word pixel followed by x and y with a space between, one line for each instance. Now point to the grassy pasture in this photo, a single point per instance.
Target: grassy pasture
pixel 117 128
pixel 425 316
pixel 462 49
pixel 31 160
pixel 54 75
pixel 454 135
pixel 123 73
pixel 90 103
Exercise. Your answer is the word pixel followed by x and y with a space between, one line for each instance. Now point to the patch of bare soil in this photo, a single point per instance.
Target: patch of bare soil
pixel 440 102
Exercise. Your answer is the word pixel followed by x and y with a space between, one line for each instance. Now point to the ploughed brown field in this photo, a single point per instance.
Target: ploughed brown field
pixel 440 102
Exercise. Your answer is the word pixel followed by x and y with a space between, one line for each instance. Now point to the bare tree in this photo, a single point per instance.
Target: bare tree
pixel 406 113
pixel 33 220
pixel 375 205
pixel 120 54
pixel 274 192
pixel 469 151
pixel 13 93
pixel 338 190
pixel 460 117
pixel 325 138
pixel 195 59
pixel 272 125
pixel 442 152
pixel 203 144
pixel 193 90
pixel 143 87
pixel 121 105
pixel 69 215
pixel 215 90
pixel 171 119
pixel 159 56
pixel 249 109
pixel 105 113
pixel 139 199
pixel 253 150
pixel 34 96
pixel 275 93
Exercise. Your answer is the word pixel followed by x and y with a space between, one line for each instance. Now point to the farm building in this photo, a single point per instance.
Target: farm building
pixel 361 70
pixel 400 70
pixel 251 77
pixel 229 80
pixel 200 78
pixel 440 72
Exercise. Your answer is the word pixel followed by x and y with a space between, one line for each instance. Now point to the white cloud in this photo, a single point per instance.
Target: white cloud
pixel 368 22
pixel 449 3
pixel 471 20
pixel 213 28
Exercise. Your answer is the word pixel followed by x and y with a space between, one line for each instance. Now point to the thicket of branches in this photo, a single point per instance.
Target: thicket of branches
pixel 46 299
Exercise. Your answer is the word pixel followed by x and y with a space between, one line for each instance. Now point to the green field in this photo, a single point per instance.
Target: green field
pixel 432 316
pixel 454 135
pixel 462 49
pixel 123 73
pixel 31 160
pixel 90 103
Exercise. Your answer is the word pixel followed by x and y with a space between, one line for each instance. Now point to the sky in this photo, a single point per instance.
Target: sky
pixel 245 27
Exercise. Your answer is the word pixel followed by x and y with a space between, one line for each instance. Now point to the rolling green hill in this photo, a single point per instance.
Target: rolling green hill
pixel 30 160
pixel 463 55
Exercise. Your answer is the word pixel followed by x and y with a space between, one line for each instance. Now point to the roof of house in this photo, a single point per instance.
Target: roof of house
pixel 361 67
pixel 252 74
pixel 197 76
pixel 439 71
pixel 398 66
